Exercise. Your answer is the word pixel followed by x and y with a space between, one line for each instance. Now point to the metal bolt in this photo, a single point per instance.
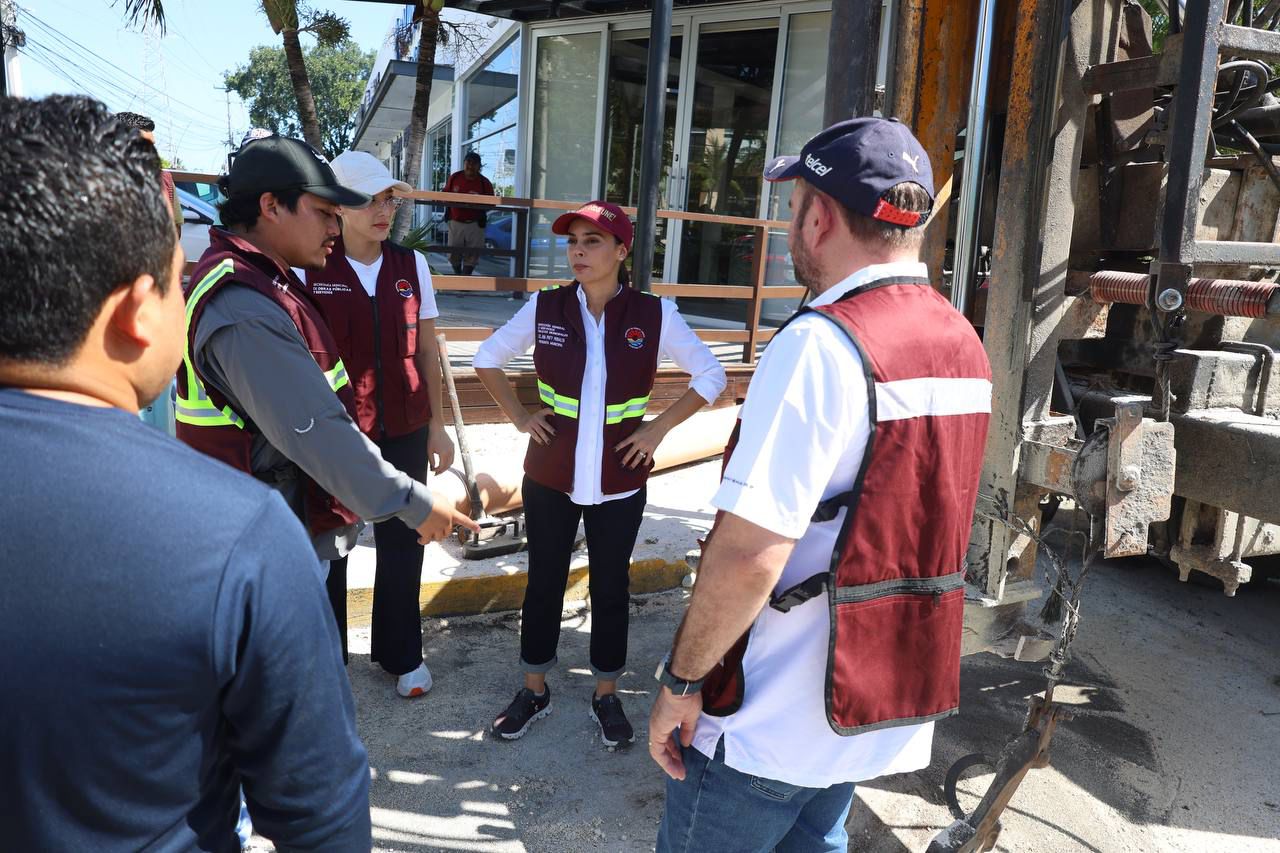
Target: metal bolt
pixel 1169 300
pixel 1128 479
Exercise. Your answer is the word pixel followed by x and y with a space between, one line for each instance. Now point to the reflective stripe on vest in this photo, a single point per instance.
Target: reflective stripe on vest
pixel 197 409
pixel 633 408
pixel 559 403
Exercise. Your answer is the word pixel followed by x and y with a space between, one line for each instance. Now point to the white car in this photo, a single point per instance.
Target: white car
pixel 197 216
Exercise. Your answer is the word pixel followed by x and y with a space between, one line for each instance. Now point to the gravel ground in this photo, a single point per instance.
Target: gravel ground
pixel 1174 747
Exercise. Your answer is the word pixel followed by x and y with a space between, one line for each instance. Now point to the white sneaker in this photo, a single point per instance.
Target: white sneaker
pixel 414 683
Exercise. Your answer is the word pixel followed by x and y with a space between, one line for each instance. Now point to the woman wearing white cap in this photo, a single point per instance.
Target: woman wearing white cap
pixel 378 301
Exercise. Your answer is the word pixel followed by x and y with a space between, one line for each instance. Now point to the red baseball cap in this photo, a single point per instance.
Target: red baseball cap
pixel 608 216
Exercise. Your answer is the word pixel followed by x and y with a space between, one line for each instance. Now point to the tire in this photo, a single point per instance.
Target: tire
pixel 973 759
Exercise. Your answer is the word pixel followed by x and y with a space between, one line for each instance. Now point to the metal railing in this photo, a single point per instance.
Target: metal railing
pixel 752 292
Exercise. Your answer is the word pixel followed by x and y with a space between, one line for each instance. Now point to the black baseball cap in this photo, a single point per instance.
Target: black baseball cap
pixel 275 163
pixel 856 162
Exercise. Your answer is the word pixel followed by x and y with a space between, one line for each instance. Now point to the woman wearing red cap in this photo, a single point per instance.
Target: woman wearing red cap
pixel 597 344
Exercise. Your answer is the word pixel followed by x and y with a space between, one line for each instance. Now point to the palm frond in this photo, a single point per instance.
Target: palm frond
pixel 139 13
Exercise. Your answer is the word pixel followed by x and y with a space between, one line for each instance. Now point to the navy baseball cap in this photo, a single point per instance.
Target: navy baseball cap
pixel 856 162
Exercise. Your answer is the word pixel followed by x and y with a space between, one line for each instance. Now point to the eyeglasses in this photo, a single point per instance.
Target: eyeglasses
pixel 393 203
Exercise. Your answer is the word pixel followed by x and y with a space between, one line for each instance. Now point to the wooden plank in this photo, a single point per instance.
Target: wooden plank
pixel 198 177
pixel 686 216
pixel 465 333
pixel 487 283
pixel 710 291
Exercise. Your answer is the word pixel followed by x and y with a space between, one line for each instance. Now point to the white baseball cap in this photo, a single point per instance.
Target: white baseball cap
pixel 361 171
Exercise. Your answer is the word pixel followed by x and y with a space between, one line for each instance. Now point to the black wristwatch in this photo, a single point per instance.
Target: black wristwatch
pixel 674 683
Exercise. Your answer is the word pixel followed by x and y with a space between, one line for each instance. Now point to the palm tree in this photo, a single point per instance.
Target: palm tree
pixel 288 19
pixel 144 12
pixel 434 31
pixel 427 16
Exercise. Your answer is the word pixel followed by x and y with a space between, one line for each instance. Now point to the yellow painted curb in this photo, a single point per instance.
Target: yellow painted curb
pixel 488 593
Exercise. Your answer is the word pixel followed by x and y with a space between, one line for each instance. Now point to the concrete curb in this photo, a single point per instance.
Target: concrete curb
pixel 468 596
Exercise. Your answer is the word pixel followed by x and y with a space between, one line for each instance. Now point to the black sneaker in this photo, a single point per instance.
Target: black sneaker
pixel 614 728
pixel 513 722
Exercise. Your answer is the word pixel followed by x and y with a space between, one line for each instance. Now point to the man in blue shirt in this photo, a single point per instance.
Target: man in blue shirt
pixel 166 632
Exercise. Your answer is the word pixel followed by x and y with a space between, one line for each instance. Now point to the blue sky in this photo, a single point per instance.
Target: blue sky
pixel 174 78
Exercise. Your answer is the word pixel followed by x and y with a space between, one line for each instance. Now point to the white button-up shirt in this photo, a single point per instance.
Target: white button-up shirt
pixel 805 425
pixel 677 342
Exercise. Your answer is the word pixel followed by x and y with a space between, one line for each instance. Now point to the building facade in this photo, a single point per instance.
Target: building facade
pixel 555 109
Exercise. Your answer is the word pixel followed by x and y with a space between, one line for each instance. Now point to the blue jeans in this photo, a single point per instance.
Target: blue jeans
pixel 718 808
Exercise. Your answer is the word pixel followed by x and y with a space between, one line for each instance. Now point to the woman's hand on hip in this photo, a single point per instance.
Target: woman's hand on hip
pixel 638 448
pixel 439 448
pixel 537 425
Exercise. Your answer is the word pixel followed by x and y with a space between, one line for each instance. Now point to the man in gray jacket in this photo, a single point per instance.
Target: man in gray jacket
pixel 256 388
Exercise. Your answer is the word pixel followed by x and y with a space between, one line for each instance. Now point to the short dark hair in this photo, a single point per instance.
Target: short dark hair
pixel 244 210
pixel 82 213
pixel 471 155
pixel 908 196
pixel 136 120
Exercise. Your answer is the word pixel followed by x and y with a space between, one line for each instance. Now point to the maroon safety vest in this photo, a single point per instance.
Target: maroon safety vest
pixel 205 419
pixel 895 583
pixel 632 332
pixel 378 338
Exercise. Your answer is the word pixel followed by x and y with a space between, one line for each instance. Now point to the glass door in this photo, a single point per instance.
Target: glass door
pixel 624 124
pixel 724 134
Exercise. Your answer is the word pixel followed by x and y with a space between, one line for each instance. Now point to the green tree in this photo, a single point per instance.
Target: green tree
pixel 289 19
pixel 337 77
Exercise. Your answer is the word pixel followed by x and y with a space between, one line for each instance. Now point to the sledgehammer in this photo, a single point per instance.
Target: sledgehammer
pixel 497 536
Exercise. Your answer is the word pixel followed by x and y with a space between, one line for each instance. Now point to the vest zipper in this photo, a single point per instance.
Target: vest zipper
pixel 377 369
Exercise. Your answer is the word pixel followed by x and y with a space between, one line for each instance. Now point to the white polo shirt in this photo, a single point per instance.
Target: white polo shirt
pixel 677 342
pixel 804 430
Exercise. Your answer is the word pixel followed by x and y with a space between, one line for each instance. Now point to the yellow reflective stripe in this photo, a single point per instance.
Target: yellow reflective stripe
pixel 204 414
pixel 559 403
pixel 337 376
pixel 198 410
pixel 633 408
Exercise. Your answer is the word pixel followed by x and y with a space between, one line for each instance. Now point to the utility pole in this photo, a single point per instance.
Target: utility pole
pixel 11 38
pixel 231 142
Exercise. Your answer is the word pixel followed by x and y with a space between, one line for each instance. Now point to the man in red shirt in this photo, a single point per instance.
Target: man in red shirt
pixel 466 224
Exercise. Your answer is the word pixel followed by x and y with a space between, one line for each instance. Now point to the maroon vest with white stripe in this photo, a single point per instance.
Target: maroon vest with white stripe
pixel 895 583
pixel 632 330
pixel 378 338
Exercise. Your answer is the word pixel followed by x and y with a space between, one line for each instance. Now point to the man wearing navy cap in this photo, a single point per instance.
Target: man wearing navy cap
pixel 822 640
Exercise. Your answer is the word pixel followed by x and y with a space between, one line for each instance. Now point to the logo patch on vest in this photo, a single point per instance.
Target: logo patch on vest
pixel 635 337
pixel 404 288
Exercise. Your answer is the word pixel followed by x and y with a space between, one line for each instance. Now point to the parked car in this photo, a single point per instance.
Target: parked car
pixel 197 216
pixel 206 192
pixel 497 230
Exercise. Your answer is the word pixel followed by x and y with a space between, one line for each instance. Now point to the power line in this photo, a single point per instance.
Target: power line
pixel 107 66
pixel 92 82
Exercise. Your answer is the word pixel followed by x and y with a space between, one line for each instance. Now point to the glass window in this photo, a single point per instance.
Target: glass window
pixel 491 117
pixel 491 93
pixel 729 126
pixel 565 104
pixel 438 147
pixel 804 85
pixel 804 88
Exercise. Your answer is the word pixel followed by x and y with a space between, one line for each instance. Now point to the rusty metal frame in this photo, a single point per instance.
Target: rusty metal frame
pixel 1027 299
